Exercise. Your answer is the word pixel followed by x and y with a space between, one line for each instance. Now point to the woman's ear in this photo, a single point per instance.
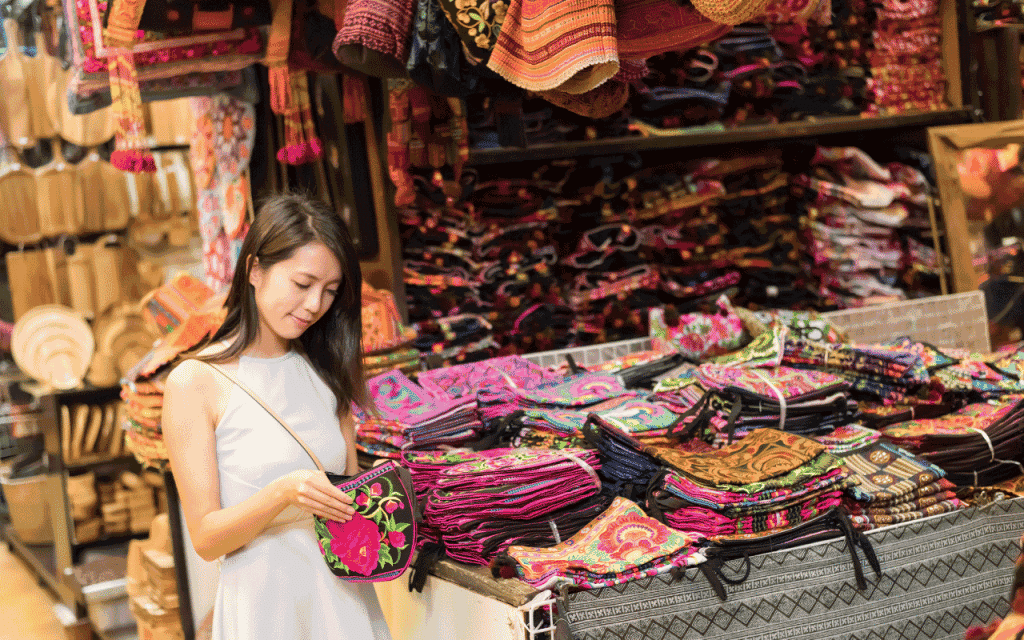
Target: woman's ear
pixel 255 271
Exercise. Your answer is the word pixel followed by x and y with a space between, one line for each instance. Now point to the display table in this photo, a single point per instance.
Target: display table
pixel 940 576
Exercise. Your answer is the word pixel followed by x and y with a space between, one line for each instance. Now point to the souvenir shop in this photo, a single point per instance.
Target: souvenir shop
pixel 687 318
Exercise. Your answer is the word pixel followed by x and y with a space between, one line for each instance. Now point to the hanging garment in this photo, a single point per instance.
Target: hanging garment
pixel 222 144
pixel 373 37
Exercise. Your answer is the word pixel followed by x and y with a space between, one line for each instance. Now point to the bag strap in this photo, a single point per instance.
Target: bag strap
pixel 273 413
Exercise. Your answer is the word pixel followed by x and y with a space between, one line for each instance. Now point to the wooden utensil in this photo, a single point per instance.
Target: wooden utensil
pixel 92 433
pixel 80 419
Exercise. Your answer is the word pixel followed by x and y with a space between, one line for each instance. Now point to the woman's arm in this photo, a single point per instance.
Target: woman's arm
pixel 189 421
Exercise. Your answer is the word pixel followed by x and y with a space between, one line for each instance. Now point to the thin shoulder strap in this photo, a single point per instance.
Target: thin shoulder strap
pixel 273 413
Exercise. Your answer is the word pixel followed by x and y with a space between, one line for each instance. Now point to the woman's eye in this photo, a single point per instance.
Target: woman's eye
pixel 332 293
pixel 301 286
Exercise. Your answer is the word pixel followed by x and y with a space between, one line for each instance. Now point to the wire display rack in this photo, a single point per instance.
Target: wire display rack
pixel 536 620
pixel 958 321
pixel 591 355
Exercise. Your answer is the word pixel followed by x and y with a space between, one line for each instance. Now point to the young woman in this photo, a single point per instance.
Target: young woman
pixel 248 489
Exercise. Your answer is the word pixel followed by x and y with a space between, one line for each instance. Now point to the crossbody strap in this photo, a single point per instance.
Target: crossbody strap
pixel 273 413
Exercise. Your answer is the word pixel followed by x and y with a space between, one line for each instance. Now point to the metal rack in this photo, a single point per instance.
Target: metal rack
pixel 54 563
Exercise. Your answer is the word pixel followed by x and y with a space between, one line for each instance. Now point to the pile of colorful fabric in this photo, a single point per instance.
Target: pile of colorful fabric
pixel 186 312
pixel 888 372
pixel 480 507
pixel 848 438
pixel 906 64
pixel 894 486
pixel 768 481
pixel 410 416
pixel 621 544
pixel 856 212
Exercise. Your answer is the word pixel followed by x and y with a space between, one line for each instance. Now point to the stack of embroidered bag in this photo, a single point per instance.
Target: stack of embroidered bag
pixel 979 445
pixel 493 382
pixel 619 545
pixel 482 506
pixel 894 486
pixel 740 400
pixel 848 438
pixel 411 417
pixel 889 372
pixel 425 467
pixel 768 481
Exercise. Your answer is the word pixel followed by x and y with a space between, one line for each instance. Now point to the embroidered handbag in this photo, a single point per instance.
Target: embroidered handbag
pixel 377 544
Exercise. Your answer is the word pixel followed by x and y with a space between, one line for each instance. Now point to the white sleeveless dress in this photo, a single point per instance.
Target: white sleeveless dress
pixel 278 587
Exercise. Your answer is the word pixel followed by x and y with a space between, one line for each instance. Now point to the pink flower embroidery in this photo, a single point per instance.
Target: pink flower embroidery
pixel 362 500
pixel 397 539
pixel 376 489
pixel 393 505
pixel 356 543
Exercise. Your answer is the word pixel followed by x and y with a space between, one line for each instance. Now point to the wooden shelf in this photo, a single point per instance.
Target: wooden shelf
pixel 95 460
pixel 755 133
pixel 111 540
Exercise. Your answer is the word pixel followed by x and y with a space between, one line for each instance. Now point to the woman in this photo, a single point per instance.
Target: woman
pixel 248 489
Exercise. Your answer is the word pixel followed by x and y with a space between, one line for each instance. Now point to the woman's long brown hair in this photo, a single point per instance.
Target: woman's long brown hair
pixel 283 224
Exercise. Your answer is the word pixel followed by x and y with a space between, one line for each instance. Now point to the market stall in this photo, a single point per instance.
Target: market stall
pixel 671 309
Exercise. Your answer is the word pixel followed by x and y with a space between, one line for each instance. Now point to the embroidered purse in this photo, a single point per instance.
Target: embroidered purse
pixel 377 544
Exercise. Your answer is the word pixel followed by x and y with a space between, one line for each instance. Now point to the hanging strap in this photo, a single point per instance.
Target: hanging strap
pixel 272 413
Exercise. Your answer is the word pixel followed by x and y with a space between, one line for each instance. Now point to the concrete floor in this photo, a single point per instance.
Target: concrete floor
pixel 26 608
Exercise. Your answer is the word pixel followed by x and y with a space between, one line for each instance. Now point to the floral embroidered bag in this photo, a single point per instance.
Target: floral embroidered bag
pixel 377 544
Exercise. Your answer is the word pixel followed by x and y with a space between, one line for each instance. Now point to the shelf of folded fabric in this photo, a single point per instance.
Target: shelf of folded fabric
pixel 717 135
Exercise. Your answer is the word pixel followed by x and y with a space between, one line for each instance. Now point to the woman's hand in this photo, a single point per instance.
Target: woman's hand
pixel 310 491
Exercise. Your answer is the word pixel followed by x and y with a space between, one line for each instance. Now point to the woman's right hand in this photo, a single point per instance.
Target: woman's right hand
pixel 312 492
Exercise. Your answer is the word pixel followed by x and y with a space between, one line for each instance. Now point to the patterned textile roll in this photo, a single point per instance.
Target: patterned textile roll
pixel 374 37
pixel 569 45
pixel 647 28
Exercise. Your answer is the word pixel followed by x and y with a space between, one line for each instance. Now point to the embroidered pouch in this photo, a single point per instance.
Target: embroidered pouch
pixel 586 389
pixel 767 385
pixel 764 454
pixel 376 545
pixel 609 551
pixel 888 473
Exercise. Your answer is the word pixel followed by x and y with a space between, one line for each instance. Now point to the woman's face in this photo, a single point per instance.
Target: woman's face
pixel 294 293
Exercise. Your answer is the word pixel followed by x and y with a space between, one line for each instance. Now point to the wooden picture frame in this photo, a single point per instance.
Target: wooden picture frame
pixel 945 145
